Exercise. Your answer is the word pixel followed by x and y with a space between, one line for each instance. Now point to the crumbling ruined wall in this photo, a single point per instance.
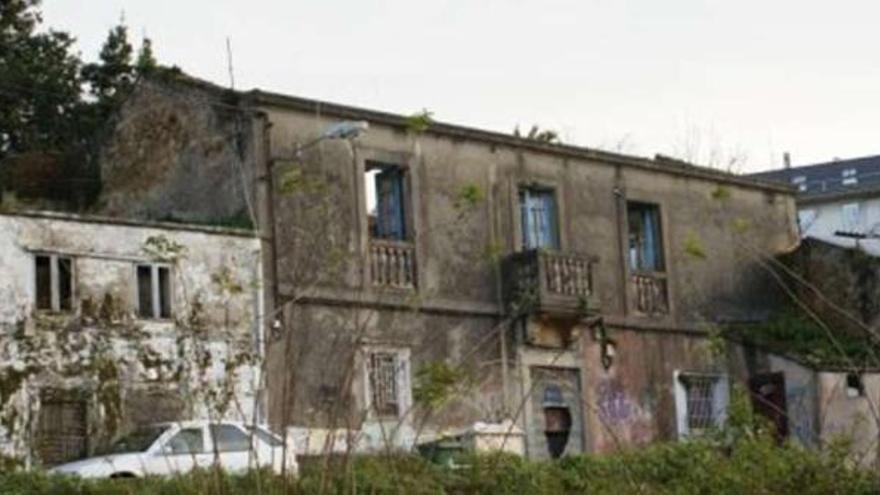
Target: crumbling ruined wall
pixel 840 284
pixel 179 151
pixel 463 212
pixel 204 361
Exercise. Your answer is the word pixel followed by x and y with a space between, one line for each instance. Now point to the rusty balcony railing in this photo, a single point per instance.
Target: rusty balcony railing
pixel 558 284
pixel 648 293
pixel 392 264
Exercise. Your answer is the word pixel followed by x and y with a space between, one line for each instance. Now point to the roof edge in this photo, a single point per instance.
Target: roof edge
pixel 660 163
pixel 125 222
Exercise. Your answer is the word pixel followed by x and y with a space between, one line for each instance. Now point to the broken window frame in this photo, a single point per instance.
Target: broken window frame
pixel 401 402
pixel 58 301
pixel 855 385
pixel 391 218
pixel 161 295
pixel 538 218
pixel 649 242
pixel 718 402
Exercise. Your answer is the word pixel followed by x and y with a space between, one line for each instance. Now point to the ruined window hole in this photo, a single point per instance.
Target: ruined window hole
pixel 53 282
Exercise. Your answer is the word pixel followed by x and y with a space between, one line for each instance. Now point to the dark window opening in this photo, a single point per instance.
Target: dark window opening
pixel 44 282
pixel 154 291
pixel 645 237
pixel 145 291
pixel 65 284
pixel 538 218
pixel 386 194
pixel 53 282
pixel 855 386
pixel 557 421
pixel 164 292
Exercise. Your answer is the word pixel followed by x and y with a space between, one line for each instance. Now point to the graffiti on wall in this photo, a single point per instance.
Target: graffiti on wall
pixel 800 413
pixel 623 419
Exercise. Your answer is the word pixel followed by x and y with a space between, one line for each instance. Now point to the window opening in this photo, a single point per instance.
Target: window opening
pixel 383 383
pixel 645 240
pixel 849 177
pixel 538 218
pixel 386 201
pixel 855 386
pixel 701 402
pixel 387 371
pixel 53 282
pixel 557 421
pixel 801 182
pixel 154 291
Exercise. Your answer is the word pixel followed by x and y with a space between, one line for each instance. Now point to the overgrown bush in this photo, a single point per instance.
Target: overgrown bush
pixel 752 463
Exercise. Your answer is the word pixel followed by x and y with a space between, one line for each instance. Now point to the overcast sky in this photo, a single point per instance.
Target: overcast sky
pixel 705 80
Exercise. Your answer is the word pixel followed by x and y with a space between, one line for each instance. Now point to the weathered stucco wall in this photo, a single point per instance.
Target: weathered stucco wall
pixel 181 152
pixel 204 361
pixel 327 371
pixel 632 403
pixel 714 228
pixel 849 415
pixel 463 216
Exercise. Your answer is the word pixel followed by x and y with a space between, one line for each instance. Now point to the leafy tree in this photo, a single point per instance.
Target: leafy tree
pixel 39 83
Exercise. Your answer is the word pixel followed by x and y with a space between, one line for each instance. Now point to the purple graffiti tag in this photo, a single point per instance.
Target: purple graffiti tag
pixel 613 405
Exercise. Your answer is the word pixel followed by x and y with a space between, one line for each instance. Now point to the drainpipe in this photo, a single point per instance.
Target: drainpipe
pixel 499 290
pixel 620 206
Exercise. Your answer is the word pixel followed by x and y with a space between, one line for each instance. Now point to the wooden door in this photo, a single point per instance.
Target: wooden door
pixel 767 391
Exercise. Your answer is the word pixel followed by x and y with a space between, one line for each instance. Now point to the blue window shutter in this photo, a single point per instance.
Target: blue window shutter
pixel 390 221
pixel 549 228
pixel 538 219
pixel 651 248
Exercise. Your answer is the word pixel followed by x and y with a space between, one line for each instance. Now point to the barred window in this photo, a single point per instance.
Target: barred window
pixel 387 382
pixel 700 413
pixel 701 401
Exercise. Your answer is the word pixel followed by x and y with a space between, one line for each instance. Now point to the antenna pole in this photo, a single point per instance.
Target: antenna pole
pixel 229 63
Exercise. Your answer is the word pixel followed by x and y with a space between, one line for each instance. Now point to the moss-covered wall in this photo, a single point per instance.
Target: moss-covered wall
pixel 205 356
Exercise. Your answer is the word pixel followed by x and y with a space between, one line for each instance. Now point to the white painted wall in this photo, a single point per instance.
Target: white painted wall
pixel 821 221
pixel 104 257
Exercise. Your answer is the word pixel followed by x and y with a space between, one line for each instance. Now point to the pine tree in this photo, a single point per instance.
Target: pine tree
pixel 146 62
pixel 113 75
pixel 39 83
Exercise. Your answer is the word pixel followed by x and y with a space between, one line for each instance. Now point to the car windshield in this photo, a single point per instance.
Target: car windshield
pixel 266 436
pixel 137 441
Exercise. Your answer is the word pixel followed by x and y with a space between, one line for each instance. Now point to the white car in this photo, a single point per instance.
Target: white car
pixel 172 448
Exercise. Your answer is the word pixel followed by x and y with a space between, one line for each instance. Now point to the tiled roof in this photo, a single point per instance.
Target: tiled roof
pixel 856 176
